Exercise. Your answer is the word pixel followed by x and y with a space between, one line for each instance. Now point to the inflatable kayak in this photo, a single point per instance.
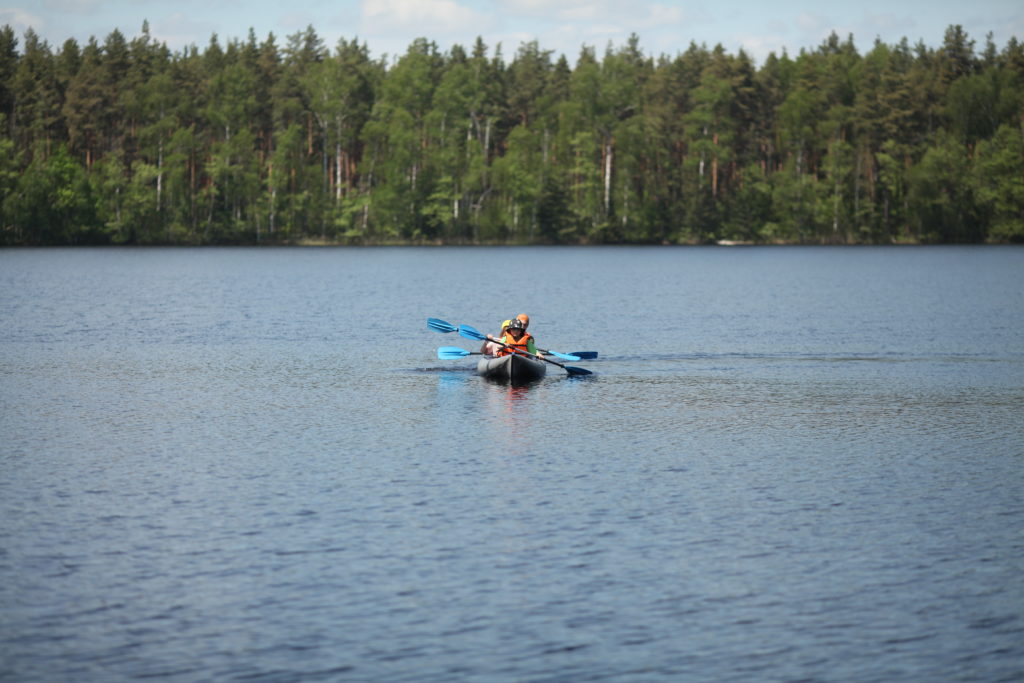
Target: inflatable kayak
pixel 514 368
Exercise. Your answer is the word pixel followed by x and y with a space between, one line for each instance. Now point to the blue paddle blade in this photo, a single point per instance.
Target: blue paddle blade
pixel 452 352
pixel 438 325
pixel 471 333
pixel 585 355
pixel 576 371
pixel 564 356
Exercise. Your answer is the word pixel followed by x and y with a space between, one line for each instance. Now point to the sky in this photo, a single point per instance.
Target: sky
pixel 664 27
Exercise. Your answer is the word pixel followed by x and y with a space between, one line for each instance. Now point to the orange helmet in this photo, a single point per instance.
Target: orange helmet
pixel 525 318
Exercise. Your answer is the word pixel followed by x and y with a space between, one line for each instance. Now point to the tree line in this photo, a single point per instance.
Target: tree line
pixel 249 141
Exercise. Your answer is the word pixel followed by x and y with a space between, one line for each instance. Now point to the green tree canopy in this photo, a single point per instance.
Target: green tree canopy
pixel 251 141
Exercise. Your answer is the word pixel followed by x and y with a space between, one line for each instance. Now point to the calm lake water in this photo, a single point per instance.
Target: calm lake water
pixel 789 464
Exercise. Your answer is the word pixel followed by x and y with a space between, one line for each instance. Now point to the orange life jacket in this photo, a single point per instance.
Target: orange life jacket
pixel 517 345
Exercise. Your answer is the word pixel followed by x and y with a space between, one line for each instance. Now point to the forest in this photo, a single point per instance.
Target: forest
pixel 295 142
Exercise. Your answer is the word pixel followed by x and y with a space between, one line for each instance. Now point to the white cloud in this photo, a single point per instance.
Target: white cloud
pixel 887 22
pixel 523 6
pixel 761 45
pixel 427 16
pixel 809 22
pixel 72 6
pixel 390 26
pixel 878 24
pixel 19 19
pixel 580 12
pixel 659 15
pixel 568 25
pixel 814 29
pixel 561 9
pixel 563 26
pixel 179 30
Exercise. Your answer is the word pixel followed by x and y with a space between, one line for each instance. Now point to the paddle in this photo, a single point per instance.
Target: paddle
pixel 472 333
pixel 563 356
pixel 441 326
pixel 453 352
pixel 438 325
pixel 579 355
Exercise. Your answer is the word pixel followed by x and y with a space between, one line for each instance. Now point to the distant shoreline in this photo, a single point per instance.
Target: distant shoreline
pixel 314 244
pixel 250 142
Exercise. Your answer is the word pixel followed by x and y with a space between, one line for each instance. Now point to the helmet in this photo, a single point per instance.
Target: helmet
pixel 516 324
pixel 525 318
pixel 505 324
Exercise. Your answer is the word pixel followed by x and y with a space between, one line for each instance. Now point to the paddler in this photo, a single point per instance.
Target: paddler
pixel 489 347
pixel 519 339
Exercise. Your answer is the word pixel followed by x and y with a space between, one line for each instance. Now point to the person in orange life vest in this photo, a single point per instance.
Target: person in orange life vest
pixel 518 338
pixel 489 347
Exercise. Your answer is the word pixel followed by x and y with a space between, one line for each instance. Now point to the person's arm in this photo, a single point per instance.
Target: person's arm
pixel 531 346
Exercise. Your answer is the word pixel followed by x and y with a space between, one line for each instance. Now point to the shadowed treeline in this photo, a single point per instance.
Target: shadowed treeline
pixel 248 141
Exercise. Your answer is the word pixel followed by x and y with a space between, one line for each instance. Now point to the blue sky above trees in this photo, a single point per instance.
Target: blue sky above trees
pixel 663 26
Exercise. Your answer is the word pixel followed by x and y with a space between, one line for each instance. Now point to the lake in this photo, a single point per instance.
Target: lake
pixel 790 463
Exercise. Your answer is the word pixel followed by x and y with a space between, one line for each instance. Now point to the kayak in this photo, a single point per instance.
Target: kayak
pixel 514 368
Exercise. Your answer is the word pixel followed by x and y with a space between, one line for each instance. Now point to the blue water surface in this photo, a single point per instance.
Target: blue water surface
pixel 249 464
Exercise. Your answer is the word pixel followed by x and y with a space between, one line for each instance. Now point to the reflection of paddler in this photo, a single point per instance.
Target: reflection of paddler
pixel 518 339
pixel 489 347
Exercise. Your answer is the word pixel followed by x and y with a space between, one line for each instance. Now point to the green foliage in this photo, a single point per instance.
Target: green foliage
pixel 999 179
pixel 125 141
pixel 9 165
pixel 53 203
pixel 941 201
